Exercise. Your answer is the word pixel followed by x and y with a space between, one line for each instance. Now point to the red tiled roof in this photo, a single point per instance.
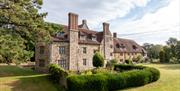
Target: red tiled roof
pixel 59 39
pixel 126 45
pixel 82 31
pixel 89 41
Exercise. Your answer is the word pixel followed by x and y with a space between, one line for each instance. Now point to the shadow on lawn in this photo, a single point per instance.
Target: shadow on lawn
pixel 8 71
pixel 33 83
pixel 25 79
pixel 171 67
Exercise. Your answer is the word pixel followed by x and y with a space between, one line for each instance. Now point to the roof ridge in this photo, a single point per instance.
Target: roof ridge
pixel 125 39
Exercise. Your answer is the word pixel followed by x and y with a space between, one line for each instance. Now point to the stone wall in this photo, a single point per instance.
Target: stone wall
pixel 73 50
pixel 107 43
pixel 55 55
pixel 44 56
pixel 90 51
pixel 108 47
pixel 125 56
pixel 120 57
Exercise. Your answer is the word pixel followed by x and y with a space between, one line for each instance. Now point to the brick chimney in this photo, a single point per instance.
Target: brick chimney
pixel 73 21
pixel 105 28
pixel 73 41
pixel 115 35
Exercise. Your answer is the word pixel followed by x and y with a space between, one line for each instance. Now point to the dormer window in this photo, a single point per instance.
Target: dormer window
pixel 122 46
pixel 93 37
pixel 134 47
pixel 60 34
pixel 82 37
pixel 65 36
pixel 117 45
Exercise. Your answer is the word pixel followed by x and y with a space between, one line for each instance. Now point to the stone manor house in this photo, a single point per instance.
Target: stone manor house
pixel 73 49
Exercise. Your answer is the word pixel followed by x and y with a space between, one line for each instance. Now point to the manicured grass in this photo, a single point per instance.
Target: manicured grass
pixel 169 79
pixel 13 78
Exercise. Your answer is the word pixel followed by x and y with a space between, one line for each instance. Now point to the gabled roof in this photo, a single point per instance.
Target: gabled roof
pixel 120 44
pixel 83 26
pixel 82 31
pixel 126 45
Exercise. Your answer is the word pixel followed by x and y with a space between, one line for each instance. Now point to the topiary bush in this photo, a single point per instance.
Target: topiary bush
pixel 98 60
pixel 113 81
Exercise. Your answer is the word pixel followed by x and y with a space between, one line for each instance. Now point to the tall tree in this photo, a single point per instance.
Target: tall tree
pixel 12 48
pixel 172 42
pixel 177 48
pixel 167 53
pixel 161 56
pixel 148 48
pixel 155 50
pixel 21 25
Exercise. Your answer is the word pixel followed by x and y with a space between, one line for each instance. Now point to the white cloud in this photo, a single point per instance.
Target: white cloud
pixel 95 11
pixel 98 11
pixel 166 21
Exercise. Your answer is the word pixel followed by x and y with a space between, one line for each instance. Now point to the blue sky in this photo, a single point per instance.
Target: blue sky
pixel 152 21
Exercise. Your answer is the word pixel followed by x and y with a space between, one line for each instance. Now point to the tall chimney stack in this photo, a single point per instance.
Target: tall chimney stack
pixel 73 21
pixel 105 27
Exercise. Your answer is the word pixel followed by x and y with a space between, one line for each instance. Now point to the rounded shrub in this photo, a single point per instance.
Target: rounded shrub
pixel 113 61
pixel 155 74
pixel 110 64
pixel 98 60
pixel 56 73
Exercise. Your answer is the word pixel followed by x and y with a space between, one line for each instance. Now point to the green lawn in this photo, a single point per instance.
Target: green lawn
pixel 169 80
pixel 14 78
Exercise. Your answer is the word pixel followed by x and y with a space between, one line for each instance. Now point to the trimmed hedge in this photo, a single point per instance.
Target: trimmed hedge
pixel 112 81
pixel 122 67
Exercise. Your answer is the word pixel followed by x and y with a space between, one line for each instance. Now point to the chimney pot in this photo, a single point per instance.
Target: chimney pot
pixel 84 22
pixel 115 35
